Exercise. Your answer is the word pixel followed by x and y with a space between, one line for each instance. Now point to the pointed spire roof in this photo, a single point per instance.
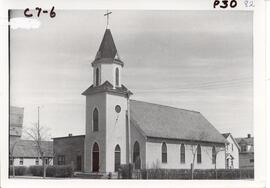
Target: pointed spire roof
pixel 107 52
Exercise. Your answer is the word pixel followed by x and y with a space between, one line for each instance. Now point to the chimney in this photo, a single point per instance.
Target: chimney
pixel 70 135
pixel 248 135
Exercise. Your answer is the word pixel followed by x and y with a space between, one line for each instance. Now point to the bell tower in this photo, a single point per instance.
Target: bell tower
pixel 106 130
pixel 107 65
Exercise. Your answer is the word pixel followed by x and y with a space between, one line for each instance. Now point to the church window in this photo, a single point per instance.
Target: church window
pixel 199 154
pixel 182 153
pixel 95 120
pixel 136 155
pixel 214 155
pixel 117 77
pixel 117 158
pixel 97 76
pixel 164 153
pixel 118 109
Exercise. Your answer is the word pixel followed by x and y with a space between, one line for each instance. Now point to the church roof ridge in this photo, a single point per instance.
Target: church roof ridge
pixel 167 106
pixel 167 122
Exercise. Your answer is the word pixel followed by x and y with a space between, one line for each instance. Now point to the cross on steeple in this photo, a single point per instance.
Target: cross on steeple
pixel 107 14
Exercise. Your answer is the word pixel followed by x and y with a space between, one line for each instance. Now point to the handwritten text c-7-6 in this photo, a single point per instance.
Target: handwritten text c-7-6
pixel 38 11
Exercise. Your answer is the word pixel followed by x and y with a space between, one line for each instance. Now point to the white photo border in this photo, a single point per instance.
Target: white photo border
pixel 259 68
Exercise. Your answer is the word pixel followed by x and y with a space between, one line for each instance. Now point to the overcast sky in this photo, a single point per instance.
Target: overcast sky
pixel 196 60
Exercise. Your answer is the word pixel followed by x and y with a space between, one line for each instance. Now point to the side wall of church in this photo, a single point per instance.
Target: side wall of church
pixel 95 101
pixel 116 130
pixel 137 136
pixel 153 155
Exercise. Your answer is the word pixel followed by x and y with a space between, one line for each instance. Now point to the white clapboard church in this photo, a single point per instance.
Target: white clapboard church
pixel 120 130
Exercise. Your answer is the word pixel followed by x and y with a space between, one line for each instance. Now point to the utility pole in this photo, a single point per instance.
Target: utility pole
pixel 38 125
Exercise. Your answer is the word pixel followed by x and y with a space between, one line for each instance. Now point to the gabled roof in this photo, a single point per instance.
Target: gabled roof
pixel 107 87
pixel 226 135
pixel 245 141
pixel 107 52
pixel 28 148
pixel 172 123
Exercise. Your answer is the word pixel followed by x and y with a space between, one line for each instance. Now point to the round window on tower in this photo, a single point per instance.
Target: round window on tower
pixel 118 109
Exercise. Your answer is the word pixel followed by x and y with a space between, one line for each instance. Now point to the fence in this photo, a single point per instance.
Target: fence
pixel 129 173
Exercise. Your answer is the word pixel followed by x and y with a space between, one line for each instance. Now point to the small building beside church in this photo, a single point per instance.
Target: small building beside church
pixel 246 154
pixel 232 152
pixel 120 130
pixel 24 152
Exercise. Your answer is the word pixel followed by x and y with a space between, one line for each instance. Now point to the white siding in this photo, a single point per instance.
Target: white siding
pixel 234 151
pixel 95 101
pixel 29 162
pixel 115 129
pixel 153 156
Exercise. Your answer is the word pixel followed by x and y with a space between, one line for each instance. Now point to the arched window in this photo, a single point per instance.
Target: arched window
pixel 117 158
pixel 136 155
pixel 182 153
pixel 97 76
pixel 164 153
pixel 95 158
pixel 95 120
pixel 199 154
pixel 117 77
pixel 214 155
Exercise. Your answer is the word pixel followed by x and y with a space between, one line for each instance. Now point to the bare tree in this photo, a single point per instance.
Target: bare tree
pixel 194 147
pixel 39 134
pixel 11 155
pixel 216 152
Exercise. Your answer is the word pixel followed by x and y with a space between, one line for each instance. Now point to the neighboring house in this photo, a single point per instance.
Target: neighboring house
pixel 25 153
pixel 246 155
pixel 120 130
pixel 69 150
pixel 16 122
pixel 232 152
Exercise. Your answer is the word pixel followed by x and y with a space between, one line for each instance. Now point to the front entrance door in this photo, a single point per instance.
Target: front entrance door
pixel 117 158
pixel 95 159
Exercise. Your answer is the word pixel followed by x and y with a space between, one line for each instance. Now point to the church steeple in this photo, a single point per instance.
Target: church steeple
pixel 107 48
pixel 107 68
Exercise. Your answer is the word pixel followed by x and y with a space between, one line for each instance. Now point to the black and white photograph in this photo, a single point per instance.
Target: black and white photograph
pixel 131 94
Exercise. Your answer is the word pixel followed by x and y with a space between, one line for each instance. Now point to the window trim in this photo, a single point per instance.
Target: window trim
pixel 199 154
pixel 214 155
pixel 97 76
pixel 164 153
pixel 93 120
pixel 182 153
pixel 117 78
